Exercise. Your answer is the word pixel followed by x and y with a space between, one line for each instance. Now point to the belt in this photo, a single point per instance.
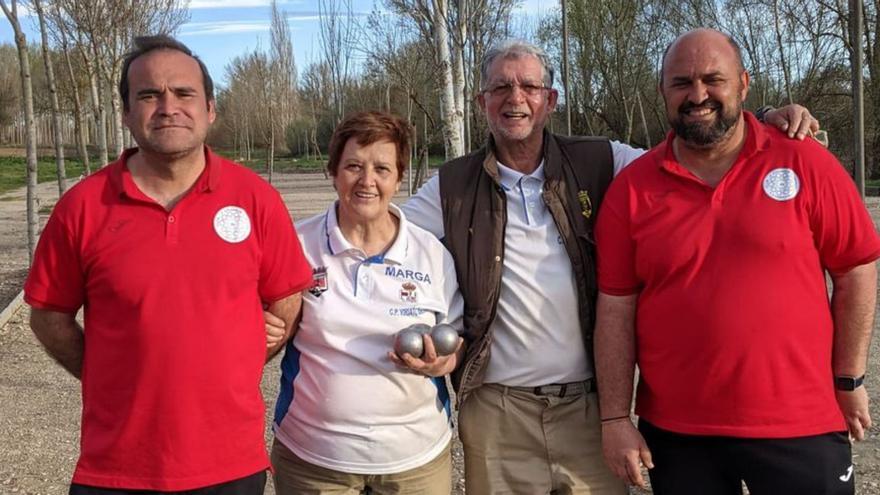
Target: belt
pixel 561 389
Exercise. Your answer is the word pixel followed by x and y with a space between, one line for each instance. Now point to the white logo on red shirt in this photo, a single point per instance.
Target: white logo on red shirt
pixel 232 224
pixel 782 184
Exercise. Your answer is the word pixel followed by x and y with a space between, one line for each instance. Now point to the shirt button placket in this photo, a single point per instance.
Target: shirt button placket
pixel 171 228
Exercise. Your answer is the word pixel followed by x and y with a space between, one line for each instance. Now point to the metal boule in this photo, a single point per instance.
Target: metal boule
pixel 421 328
pixel 409 341
pixel 445 338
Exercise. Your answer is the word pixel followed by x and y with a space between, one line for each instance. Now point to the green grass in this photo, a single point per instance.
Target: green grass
pixel 286 165
pixel 292 165
pixel 13 171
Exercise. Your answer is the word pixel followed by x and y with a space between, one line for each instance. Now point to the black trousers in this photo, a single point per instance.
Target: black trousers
pixel 249 485
pixel 699 465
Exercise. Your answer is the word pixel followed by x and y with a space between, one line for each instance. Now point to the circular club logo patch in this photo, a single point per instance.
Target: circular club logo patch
pixel 782 184
pixel 232 224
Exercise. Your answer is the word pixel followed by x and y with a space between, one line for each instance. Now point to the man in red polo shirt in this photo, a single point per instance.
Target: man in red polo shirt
pixel 172 250
pixel 713 249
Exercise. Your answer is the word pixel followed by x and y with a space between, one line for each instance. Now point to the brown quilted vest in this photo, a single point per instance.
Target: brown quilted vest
pixel 577 172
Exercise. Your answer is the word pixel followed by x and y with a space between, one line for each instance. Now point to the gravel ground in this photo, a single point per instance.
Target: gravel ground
pixel 40 404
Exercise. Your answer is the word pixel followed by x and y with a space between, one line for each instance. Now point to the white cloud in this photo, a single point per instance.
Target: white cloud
pixel 227 27
pixel 223 27
pixel 218 4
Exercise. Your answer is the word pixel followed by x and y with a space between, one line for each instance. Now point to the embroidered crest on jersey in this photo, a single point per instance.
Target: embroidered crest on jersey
pixel 232 224
pixel 408 292
pixel 319 281
pixel 782 184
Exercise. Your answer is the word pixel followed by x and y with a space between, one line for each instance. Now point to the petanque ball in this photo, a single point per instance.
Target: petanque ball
pixel 421 328
pixel 409 341
pixel 445 339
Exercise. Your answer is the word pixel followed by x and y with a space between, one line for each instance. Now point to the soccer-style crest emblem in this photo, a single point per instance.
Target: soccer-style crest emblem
pixel 232 224
pixel 319 281
pixel 408 293
pixel 781 184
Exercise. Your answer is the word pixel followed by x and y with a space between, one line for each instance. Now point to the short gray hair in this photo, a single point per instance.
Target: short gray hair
pixel 516 48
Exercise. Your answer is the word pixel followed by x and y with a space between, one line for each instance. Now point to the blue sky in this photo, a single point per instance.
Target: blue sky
pixel 218 30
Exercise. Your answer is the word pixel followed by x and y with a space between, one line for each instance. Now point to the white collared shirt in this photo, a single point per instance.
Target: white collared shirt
pixel 537 339
pixel 352 409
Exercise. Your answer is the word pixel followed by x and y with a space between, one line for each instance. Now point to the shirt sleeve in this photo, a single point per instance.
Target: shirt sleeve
pixel 56 281
pixel 843 230
pixel 451 294
pixel 614 244
pixel 425 210
pixel 284 269
pixel 624 154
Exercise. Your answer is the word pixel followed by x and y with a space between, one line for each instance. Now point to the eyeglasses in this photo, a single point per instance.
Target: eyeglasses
pixel 505 89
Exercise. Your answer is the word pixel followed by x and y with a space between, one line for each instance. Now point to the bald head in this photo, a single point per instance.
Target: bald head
pixel 703 38
pixel 704 85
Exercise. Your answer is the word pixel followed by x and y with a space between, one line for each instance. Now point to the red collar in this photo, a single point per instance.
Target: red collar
pixel 757 139
pixel 120 175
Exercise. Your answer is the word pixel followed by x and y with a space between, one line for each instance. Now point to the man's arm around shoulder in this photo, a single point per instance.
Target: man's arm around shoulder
pixel 61 336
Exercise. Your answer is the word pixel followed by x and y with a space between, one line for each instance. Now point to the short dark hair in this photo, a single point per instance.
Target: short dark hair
pixel 737 50
pixel 147 44
pixel 367 128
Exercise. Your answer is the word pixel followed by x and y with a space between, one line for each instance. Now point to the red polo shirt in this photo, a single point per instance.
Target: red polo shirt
pixel 174 333
pixel 733 327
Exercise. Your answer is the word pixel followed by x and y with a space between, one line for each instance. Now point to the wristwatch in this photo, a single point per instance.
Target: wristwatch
pixel 762 112
pixel 848 383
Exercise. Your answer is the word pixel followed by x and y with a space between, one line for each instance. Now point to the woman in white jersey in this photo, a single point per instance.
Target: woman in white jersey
pixel 351 415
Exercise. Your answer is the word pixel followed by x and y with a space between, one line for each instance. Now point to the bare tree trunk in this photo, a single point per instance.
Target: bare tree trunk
pixel 53 93
pixel 337 39
pixel 781 48
pixel 27 104
pixel 450 116
pixel 81 124
pixel 98 111
pixel 271 149
pixel 103 142
pixel 644 121
pixel 116 108
pixel 565 79
pixel 247 141
pixel 458 68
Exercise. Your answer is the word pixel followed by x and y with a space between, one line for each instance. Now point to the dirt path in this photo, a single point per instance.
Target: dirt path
pixel 13 237
pixel 40 404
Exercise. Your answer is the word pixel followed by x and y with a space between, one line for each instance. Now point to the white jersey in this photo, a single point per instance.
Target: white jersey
pixel 344 405
pixel 537 338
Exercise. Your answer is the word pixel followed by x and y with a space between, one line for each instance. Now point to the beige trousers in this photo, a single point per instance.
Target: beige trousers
pixel 294 476
pixel 521 443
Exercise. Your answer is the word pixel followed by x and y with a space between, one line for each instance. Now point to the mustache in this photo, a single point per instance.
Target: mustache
pixel 707 104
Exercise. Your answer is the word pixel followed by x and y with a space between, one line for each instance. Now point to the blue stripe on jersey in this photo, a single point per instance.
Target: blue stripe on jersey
pixel 378 259
pixel 443 394
pixel 289 370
